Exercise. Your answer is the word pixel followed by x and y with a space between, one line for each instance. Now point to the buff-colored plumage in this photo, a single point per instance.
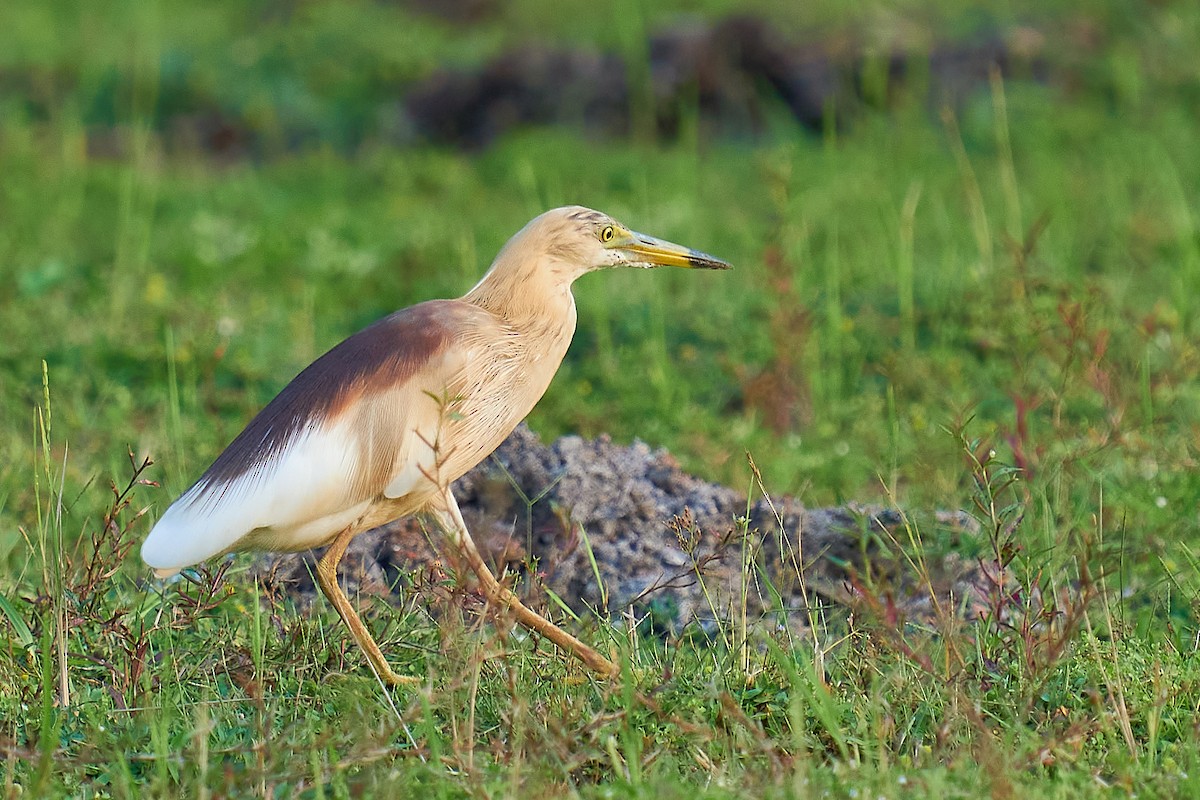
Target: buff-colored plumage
pixel 378 427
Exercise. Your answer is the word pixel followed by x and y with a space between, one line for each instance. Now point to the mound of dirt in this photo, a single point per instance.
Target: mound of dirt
pixel 622 529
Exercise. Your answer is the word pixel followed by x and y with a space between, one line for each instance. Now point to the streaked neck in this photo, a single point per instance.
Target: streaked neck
pixel 526 291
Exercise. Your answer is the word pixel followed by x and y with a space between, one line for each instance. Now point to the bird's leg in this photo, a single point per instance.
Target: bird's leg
pixel 450 519
pixel 327 578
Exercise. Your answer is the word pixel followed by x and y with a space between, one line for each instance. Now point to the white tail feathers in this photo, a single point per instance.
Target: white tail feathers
pixel 294 499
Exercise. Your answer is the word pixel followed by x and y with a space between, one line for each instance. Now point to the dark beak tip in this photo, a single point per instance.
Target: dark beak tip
pixel 708 262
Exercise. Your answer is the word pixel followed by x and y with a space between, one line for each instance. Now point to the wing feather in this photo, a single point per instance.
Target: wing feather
pixel 315 457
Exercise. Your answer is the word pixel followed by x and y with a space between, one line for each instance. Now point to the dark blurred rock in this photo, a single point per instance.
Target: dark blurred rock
pixel 210 131
pixel 521 87
pixel 459 12
pixel 730 73
pixel 738 64
pixel 722 70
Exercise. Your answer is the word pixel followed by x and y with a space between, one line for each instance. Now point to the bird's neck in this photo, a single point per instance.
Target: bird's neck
pixel 526 294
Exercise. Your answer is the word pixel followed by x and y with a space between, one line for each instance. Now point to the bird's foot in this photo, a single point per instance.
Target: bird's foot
pixel 393 678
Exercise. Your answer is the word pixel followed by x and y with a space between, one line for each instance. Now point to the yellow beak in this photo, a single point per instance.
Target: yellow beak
pixel 659 253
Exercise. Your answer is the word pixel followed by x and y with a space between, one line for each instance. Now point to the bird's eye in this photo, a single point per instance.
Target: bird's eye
pixel 607 234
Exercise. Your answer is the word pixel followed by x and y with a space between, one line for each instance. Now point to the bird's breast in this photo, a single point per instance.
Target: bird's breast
pixel 502 380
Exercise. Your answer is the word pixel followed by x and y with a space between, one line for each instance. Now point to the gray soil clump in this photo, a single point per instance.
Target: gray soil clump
pixel 623 531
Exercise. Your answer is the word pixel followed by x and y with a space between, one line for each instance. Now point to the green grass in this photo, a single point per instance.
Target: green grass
pixel 1025 276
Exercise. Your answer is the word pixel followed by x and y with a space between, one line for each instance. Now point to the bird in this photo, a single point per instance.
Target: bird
pixel 380 426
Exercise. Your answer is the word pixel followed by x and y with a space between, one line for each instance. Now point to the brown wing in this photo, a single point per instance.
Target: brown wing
pixel 317 450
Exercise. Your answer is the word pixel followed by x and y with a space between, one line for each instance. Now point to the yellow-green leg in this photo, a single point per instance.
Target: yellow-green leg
pixel 327 578
pixel 450 519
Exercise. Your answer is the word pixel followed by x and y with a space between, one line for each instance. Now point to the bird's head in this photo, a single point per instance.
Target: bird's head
pixel 579 240
pixel 545 257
